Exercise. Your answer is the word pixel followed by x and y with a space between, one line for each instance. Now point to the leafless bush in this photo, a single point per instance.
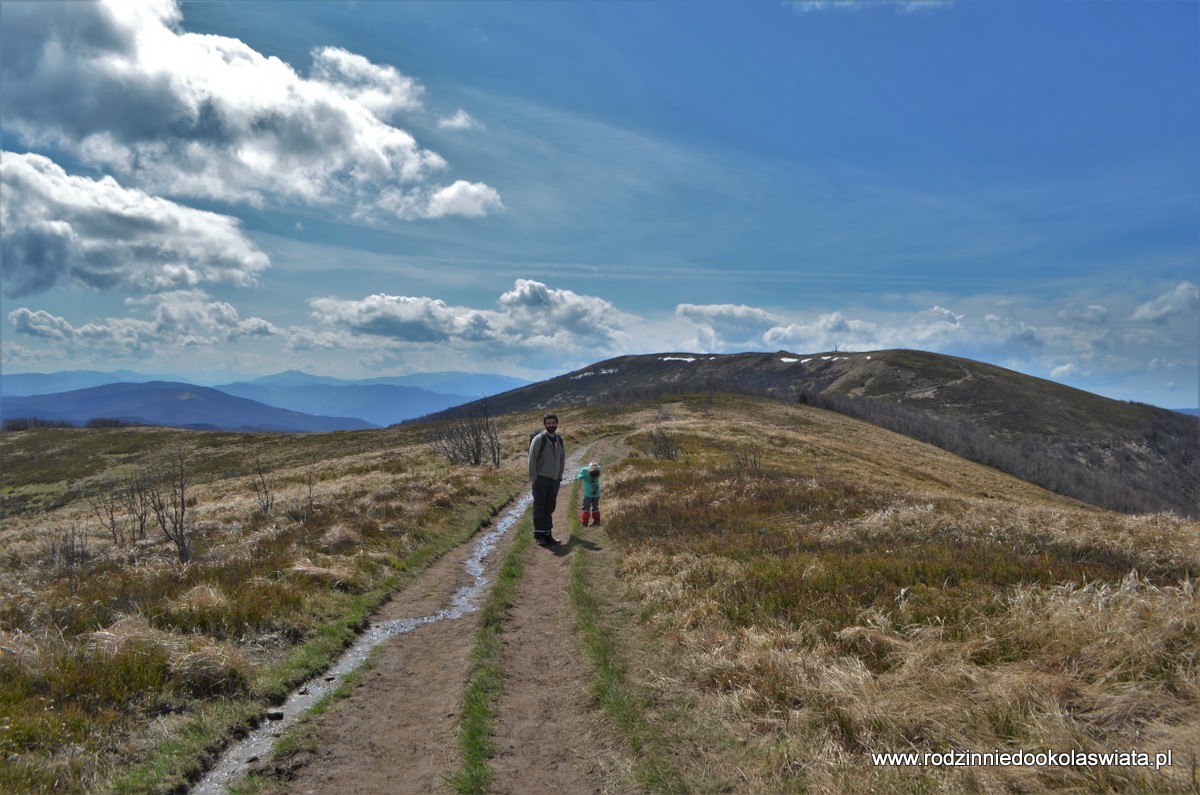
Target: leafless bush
pixel 747 456
pixel 168 501
pixel 262 487
pixel 135 491
pixel 471 437
pixel 105 508
pixel 660 444
pixel 69 554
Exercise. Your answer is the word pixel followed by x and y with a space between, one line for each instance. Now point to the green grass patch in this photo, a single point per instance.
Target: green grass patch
pixel 485 681
pixel 180 759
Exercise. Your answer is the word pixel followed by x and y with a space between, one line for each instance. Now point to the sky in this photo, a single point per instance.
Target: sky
pixel 217 190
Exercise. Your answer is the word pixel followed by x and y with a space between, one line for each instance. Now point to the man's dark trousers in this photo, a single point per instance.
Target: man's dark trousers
pixel 545 498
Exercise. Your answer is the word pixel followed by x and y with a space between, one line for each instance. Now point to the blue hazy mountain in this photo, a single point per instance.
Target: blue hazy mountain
pixel 472 385
pixel 381 401
pixel 22 384
pixel 378 404
pixel 171 403
pixel 376 401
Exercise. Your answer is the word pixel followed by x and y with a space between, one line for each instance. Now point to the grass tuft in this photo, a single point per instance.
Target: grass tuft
pixel 485 682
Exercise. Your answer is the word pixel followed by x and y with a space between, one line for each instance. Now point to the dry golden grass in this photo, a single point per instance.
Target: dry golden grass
pixel 814 590
pixel 860 593
pixel 109 636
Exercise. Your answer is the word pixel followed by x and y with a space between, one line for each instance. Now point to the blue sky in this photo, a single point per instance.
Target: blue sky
pixel 356 189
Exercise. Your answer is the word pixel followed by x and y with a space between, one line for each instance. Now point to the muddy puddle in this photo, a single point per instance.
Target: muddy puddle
pixel 257 745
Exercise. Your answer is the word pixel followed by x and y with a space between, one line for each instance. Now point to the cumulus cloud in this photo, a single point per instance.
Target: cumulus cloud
pixel 381 89
pixel 123 87
pixel 459 120
pixel 929 328
pixel 720 325
pixel 181 319
pixel 531 310
pixel 403 318
pixel 1183 300
pixel 472 199
pixel 529 316
pixel 60 228
pixel 833 330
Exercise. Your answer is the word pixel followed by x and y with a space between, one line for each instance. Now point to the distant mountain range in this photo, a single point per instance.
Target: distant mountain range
pixel 290 401
pixel 175 404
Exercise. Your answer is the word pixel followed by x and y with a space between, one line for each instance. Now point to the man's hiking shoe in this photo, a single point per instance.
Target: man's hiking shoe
pixel 545 539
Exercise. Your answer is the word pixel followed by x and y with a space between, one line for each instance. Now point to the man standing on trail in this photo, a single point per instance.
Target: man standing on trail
pixel 547 460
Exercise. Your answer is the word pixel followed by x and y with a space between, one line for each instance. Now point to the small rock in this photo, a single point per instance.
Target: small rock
pixel 274 714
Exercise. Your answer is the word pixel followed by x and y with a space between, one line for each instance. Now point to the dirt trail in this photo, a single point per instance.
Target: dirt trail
pixel 547 738
pixel 397 732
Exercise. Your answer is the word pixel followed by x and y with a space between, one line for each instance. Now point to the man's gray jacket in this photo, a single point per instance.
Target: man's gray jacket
pixel 547 458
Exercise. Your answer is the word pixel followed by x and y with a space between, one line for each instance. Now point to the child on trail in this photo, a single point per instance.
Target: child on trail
pixel 590 475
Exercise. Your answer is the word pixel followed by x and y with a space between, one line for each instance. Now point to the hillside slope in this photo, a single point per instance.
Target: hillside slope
pixel 1125 456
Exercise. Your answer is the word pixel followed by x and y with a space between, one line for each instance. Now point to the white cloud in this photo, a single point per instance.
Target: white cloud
pixel 459 120
pixel 181 319
pixel 931 328
pixel 530 316
pixel 1183 300
pixel 40 324
pixel 472 199
pixel 60 228
pixel 380 89
pixel 827 332
pixel 401 318
pixel 720 325
pixel 123 87
pixel 533 311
